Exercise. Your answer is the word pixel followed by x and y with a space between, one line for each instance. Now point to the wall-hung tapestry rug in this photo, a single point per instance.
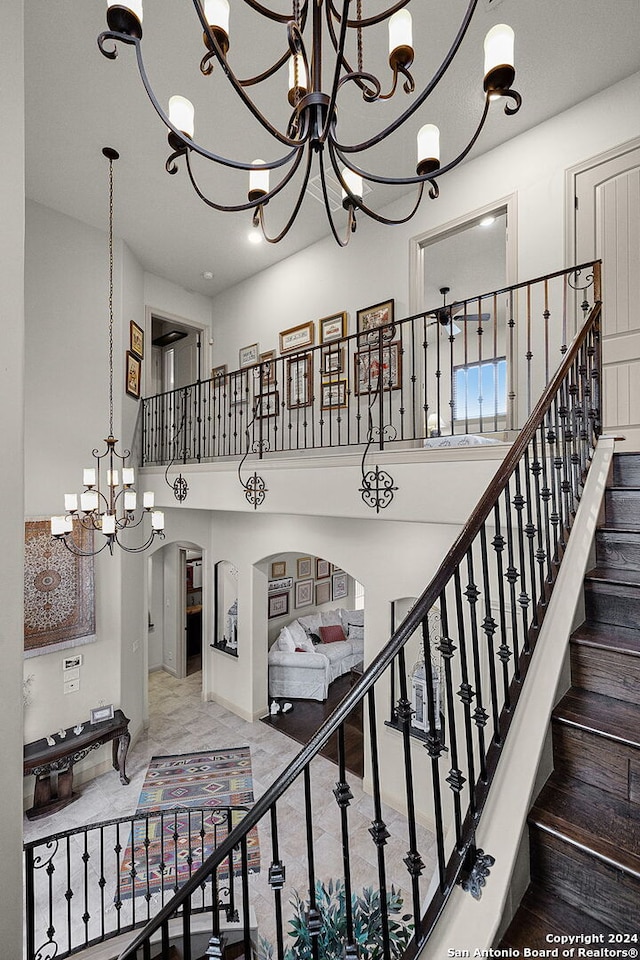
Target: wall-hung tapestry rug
pixel 59 601
pixel 163 858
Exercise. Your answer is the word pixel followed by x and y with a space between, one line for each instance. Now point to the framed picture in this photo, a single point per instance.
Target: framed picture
pixel 332 360
pixel 278 605
pixel 278 569
pixel 136 340
pixel 372 318
pixel 297 338
pixel 219 372
pixel 299 381
pixel 333 328
pixel 247 356
pixel 323 593
pixel 304 593
pixel 333 394
pixel 238 389
pixel 370 373
pixel 268 404
pixel 323 569
pixel 98 714
pixel 339 586
pixel 303 568
pixel 132 375
pixel 266 372
pixel 277 586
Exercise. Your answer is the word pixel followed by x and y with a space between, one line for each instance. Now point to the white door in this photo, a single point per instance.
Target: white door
pixel 607 226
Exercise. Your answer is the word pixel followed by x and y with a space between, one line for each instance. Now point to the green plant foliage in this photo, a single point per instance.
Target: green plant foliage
pixel 367 925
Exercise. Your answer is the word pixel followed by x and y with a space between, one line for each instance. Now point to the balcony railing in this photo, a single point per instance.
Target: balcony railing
pixel 87 885
pixel 475 366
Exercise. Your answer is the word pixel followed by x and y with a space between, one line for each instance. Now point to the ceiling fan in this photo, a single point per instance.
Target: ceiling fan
pixel 449 311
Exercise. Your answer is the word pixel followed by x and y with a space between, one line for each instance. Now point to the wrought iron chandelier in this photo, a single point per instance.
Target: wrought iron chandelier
pixel 109 503
pixel 312 128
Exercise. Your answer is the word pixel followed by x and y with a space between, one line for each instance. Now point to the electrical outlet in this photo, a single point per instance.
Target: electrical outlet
pixel 71 686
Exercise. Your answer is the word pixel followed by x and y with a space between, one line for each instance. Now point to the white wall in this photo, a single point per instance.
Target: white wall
pixel 66 415
pixel 12 476
pixel 375 266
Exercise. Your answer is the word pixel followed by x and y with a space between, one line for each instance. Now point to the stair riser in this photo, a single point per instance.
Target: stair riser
pixel 622 508
pixel 605 671
pixel 626 470
pixel 605 893
pixel 607 764
pixel 612 603
pixel 618 549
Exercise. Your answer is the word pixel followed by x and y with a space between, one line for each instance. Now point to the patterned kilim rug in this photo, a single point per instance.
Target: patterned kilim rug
pixel 162 855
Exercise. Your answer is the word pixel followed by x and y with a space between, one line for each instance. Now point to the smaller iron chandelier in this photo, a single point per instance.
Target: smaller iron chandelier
pixel 109 503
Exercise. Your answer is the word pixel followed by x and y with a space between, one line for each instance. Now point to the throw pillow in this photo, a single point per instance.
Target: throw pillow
pixel 285 642
pixel 332 634
pixel 298 633
pixel 301 650
pixel 355 632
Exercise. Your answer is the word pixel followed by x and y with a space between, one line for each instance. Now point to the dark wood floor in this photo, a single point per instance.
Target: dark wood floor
pixel 307 715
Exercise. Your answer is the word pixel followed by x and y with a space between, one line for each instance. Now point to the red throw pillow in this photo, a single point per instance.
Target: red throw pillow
pixel 300 650
pixel 332 634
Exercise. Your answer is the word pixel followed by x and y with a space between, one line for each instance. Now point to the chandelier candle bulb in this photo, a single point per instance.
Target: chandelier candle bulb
pixel 89 501
pixel 70 502
pixel 181 115
pixel 128 476
pixel 89 477
pixel 499 71
pixel 58 526
pixel 217 14
pixel 130 499
pixel 112 478
pixel 157 520
pixel 258 182
pixel 401 38
pixel 428 149
pixel 354 183
pixel 148 499
pixel 108 524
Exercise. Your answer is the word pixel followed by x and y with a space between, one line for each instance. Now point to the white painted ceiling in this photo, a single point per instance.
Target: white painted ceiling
pixel 77 102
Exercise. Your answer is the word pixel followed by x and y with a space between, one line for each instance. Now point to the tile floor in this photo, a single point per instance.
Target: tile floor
pixel 180 722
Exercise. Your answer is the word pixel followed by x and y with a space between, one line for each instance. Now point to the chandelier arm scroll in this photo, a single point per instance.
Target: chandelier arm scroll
pixel 359 203
pixel 351 223
pixel 235 83
pixel 358 76
pixel 422 96
pixel 259 213
pixel 370 21
pixel 250 204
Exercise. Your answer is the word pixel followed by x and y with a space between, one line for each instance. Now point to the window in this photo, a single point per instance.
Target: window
pixel 480 389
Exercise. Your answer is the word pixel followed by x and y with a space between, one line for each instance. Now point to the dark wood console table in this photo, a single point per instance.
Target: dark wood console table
pixel 42 761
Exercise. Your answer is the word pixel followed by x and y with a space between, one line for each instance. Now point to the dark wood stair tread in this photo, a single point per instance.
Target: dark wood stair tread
pixel 591 819
pixel 625 576
pixel 614 719
pixel 541 913
pixel 608 636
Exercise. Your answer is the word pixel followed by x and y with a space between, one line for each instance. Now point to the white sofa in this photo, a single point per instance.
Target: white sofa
pixel 303 669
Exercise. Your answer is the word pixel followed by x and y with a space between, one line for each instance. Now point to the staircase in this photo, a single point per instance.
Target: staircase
pixel 584 828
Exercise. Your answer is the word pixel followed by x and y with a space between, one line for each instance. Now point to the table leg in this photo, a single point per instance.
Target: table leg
pixel 65 784
pixel 42 791
pixel 120 748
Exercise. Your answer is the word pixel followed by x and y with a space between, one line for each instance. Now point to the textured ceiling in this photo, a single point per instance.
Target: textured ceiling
pixel 77 101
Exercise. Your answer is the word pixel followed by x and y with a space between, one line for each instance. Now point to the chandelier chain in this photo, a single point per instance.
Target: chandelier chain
pixel 110 297
pixel 359 36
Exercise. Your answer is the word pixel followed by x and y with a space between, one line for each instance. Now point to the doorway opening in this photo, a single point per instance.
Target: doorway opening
pixel 193 612
pixel 315 633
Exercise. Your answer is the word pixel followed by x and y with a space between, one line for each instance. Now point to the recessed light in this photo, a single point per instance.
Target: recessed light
pixel 487 221
pixel 254 236
pixel 207 275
